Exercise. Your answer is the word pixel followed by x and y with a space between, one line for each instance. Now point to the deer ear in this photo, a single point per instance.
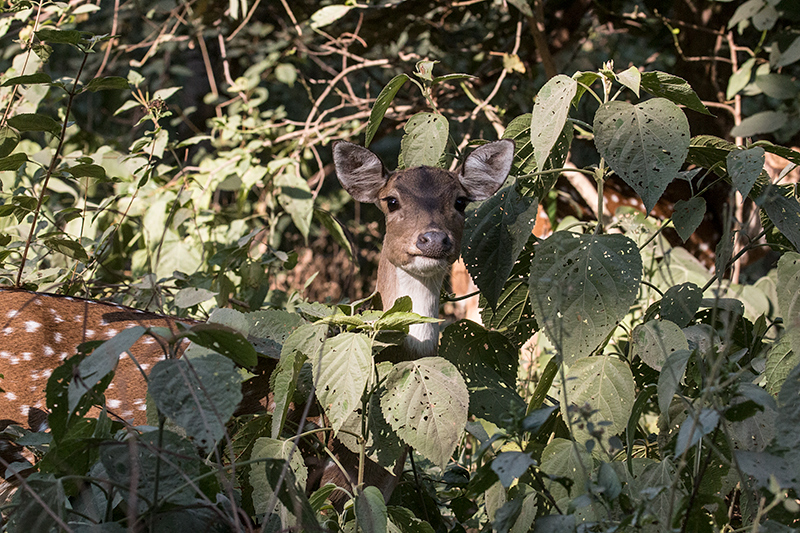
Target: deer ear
pixel 360 171
pixel 486 168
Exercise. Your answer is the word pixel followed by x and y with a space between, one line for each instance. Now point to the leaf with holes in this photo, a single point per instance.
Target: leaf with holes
pixel 563 458
pixel 688 215
pixel 424 140
pixel 381 104
pixel 509 466
pixel 744 167
pixel 488 363
pixel 494 235
pixel 581 286
pixel 673 88
pixel 101 362
pixel 606 384
pixel 426 403
pixel 645 144
pixel 694 428
pixel 784 212
pixel 519 130
pixel 789 296
pixel 342 374
pixel 550 116
pixel 198 394
pixel 680 303
pixel 781 359
pixel 655 340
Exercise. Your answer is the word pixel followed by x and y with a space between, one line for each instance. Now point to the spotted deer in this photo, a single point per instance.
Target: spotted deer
pixel 424 209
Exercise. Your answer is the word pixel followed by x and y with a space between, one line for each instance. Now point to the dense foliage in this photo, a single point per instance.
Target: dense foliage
pixel 175 157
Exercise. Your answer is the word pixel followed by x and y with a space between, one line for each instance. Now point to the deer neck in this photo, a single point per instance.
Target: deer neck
pixel 394 282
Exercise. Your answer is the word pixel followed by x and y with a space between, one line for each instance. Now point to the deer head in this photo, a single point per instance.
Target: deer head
pixel 424 209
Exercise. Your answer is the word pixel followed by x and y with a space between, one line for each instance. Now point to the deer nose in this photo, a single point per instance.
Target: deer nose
pixel 434 244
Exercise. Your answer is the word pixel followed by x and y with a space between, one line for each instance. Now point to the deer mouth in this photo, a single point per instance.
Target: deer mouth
pixel 425 266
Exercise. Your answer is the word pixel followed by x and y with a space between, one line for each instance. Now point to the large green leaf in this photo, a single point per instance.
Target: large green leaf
pixel 645 144
pixel 781 359
pixel 35 122
pixel 606 384
pixel 688 215
pixel 744 167
pixel 198 394
pixel 266 448
pixel 566 459
pixel 342 374
pixel 424 140
pixel 680 303
pixel 494 235
pixel 488 362
pixel 371 510
pixel 789 296
pixel 762 122
pixel 426 404
pixel 581 286
pixel 655 340
pixel 550 115
pixel 381 104
pixel 674 89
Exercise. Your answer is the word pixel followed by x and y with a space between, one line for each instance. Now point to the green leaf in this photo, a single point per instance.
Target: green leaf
pixel 13 162
pixel 788 289
pixel 565 459
pixel 53 36
pixel 783 212
pixel 509 466
pixel 674 89
pixel 781 359
pixel 581 286
pixel 266 448
pixel 744 167
pixel 694 428
pixel 669 380
pixel 549 115
pixel 290 495
pixel 88 170
pixel 371 510
pixel 494 235
pixel 763 122
pixel 426 403
pixel 787 432
pixel 336 230
pixel 224 341
pixel 655 340
pixel 29 79
pixel 35 122
pixel 424 141
pixel 328 15
pixel 680 303
pixel 688 215
pixel 779 86
pixel 740 78
pixel 523 6
pixel 9 139
pixel 382 103
pixel 296 198
pixel 342 374
pixel 488 362
pixel 198 394
pixel 101 362
pixel 788 56
pixel 106 83
pixel 68 247
pixel 606 384
pixel 631 78
pixel 191 296
pixel 645 144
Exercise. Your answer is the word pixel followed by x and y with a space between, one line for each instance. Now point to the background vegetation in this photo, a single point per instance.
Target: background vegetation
pixel 175 156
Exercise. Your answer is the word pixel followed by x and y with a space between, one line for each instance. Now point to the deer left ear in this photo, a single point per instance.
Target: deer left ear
pixel 360 172
pixel 486 168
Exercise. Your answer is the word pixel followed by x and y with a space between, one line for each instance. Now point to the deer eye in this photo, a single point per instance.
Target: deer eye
pixel 392 203
pixel 461 204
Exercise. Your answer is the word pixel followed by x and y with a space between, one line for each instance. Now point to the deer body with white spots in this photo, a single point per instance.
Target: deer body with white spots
pixel 38 331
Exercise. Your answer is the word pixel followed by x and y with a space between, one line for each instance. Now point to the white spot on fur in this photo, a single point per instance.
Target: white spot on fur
pixel 110 333
pixel 5 355
pixel 27 356
pixel 12 313
pixel 114 404
pixel 58 337
pixel 8 331
pixel 48 351
pixel 10 396
pixel 90 333
pixel 31 326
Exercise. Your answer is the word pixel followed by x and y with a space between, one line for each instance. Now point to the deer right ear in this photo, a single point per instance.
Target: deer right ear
pixel 360 171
